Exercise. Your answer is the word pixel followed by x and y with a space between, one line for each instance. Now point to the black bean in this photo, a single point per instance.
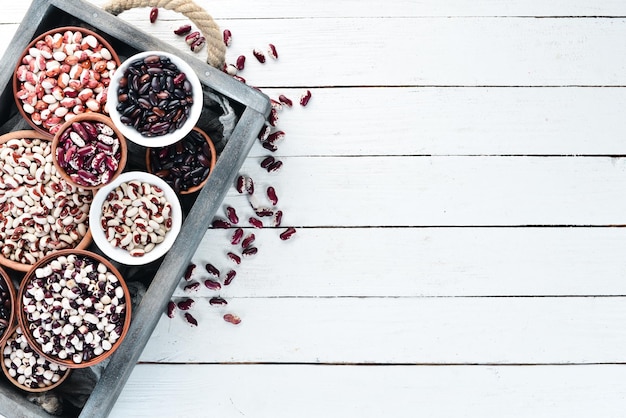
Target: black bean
pixel 151 102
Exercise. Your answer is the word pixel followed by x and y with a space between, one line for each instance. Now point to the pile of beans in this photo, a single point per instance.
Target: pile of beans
pixel 136 216
pixel 89 152
pixel 39 211
pixel 75 308
pixel 6 304
pixel 154 96
pixel 184 164
pixel 62 75
pixel 26 367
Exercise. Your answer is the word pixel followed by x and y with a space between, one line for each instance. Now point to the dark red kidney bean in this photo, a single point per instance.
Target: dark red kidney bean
pixel 217 300
pixel 212 284
pixel 230 275
pixel 212 270
pixel 190 268
pixel 233 319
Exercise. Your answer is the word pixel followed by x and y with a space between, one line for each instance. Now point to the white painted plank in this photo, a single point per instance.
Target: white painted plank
pixel 428 51
pixel 13 11
pixel 405 262
pixel 436 191
pixel 403 8
pixel 453 121
pixel 397 330
pixel 366 391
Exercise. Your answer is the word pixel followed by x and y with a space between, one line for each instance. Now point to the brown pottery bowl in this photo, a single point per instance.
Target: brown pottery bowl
pixel 103 172
pixel 50 374
pixel 7 306
pixel 74 308
pixel 59 74
pixel 41 203
pixel 157 154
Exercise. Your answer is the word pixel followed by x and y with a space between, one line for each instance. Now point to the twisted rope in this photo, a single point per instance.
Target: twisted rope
pixel 216 49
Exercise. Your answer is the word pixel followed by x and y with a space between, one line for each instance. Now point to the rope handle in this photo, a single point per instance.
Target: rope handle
pixel 216 49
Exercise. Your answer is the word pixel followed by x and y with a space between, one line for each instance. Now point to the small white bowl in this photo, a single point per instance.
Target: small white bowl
pixel 122 255
pixel 156 141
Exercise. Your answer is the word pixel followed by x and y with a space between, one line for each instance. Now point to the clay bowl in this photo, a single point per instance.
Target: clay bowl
pixel 16 341
pixel 71 87
pixel 161 154
pixel 7 306
pixel 112 159
pixel 89 290
pixel 7 259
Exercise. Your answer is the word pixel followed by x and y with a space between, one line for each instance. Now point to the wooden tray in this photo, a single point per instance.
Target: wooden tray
pixel 252 108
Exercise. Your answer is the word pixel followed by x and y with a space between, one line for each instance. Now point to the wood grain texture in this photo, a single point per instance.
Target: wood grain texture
pixel 391 330
pixel 399 391
pixel 453 121
pixel 416 262
pixel 428 51
pixel 443 191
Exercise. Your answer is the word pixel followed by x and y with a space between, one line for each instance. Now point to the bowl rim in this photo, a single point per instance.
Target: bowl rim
pixel 98 117
pixel 200 185
pixel 162 140
pixel 22 319
pixel 12 316
pixel 119 254
pixel 15 82
pixel 82 244
pixel 11 379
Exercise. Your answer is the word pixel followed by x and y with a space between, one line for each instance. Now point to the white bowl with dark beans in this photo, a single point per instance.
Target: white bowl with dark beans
pixel 74 308
pixel 136 218
pixel 155 98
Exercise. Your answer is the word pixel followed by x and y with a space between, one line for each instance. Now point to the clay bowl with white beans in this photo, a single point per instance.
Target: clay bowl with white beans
pixel 74 308
pixel 39 211
pixel 89 151
pixel 28 370
pixel 155 98
pixel 62 73
pixel 136 218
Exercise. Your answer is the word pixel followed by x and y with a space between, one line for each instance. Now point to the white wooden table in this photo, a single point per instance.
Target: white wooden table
pixel 457 184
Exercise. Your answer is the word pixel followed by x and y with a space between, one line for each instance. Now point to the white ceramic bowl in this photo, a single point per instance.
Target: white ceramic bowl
pixel 122 255
pixel 155 141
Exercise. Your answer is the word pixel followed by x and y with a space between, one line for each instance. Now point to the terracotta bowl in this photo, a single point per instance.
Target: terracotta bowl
pixel 6 259
pixel 70 88
pixel 89 291
pixel 154 154
pixel 71 175
pixel 9 306
pixel 30 385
